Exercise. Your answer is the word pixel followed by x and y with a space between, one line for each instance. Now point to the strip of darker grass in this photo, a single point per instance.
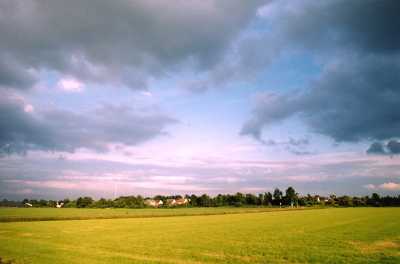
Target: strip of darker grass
pixel 64 218
pixel 3 261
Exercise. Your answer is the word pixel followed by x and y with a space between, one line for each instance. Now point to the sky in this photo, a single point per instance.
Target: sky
pixel 109 98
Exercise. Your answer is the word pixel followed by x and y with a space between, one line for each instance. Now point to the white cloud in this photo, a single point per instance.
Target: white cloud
pixel 70 85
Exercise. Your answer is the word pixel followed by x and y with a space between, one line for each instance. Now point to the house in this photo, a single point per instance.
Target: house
pixel 178 201
pixel 153 203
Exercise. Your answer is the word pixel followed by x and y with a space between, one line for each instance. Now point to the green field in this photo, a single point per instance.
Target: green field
pixel 48 214
pixel 345 235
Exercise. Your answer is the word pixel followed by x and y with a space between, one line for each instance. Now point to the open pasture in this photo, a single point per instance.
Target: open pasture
pixel 49 214
pixel 345 235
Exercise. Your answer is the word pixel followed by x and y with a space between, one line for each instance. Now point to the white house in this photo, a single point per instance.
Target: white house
pixel 180 201
pixel 153 203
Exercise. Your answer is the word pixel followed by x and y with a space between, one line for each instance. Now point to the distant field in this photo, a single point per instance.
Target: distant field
pixel 345 235
pixel 43 214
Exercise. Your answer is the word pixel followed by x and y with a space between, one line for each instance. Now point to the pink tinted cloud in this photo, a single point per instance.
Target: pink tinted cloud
pixel 388 186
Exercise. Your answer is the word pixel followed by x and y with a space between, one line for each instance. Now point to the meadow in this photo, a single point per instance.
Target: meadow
pixel 50 214
pixel 335 235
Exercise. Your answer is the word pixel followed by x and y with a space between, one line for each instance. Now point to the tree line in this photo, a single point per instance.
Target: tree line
pixel 277 198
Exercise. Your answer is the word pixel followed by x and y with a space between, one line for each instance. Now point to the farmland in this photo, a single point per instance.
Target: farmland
pixel 337 235
pixel 48 214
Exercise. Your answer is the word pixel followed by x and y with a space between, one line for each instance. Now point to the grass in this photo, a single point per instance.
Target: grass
pixel 345 235
pixel 52 214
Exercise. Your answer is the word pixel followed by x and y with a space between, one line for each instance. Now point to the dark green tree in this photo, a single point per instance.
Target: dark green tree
pixel 277 196
pixel 268 199
pixel 291 196
pixel 375 199
pixel 84 202
pixel 250 199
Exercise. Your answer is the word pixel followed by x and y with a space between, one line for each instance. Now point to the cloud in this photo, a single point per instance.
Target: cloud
pixel 387 186
pixel 123 43
pixel 325 28
pixel 15 75
pixel 376 148
pixel 292 145
pixel 356 96
pixel 391 148
pixel 149 173
pixel 22 129
pixel 370 186
pixel 390 186
pixel 28 108
pixel 70 85
pixel 327 24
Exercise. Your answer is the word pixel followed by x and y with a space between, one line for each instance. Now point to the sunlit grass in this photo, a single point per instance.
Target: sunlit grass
pixel 346 235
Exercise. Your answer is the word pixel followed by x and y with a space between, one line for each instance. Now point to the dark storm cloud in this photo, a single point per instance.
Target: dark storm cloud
pixel 356 97
pixel 369 25
pixel 23 129
pixel 122 42
pixel 351 101
pixel 319 26
pixel 392 147
pixel 376 148
pixel 12 75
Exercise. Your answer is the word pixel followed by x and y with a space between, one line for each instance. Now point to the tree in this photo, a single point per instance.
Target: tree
pixel 219 200
pixel 375 199
pixel 345 201
pixel 42 203
pixel 193 200
pixel 102 203
pixel 260 199
pixel 50 203
pixel 291 196
pixel 251 199
pixel 277 196
pixel 239 199
pixel 268 199
pixel 357 201
pixel 70 204
pixel 84 202
pixel 204 200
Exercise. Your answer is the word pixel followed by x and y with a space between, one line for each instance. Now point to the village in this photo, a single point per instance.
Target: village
pixel 278 198
pixel 169 202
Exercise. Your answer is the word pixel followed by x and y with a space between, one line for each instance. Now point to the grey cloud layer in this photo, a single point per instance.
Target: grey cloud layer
pixel 128 42
pixel 108 42
pixel 122 42
pixel 357 95
pixel 61 130
pixel 61 178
